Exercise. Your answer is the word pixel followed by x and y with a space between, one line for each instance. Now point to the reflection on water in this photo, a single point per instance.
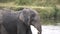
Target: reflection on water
pixel 47 30
pixel 50 29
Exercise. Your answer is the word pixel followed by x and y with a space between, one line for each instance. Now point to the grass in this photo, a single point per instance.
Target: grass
pixel 12 4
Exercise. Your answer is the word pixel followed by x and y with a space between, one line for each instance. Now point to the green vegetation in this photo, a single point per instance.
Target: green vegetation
pixel 49 10
pixel 4 1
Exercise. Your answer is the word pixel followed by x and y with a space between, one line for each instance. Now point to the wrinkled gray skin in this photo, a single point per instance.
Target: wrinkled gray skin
pixel 19 22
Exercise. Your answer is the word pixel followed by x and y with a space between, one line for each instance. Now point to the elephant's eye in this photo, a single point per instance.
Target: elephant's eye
pixel 32 19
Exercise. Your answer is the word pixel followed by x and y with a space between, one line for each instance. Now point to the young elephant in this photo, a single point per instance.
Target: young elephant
pixel 31 17
pixel 19 22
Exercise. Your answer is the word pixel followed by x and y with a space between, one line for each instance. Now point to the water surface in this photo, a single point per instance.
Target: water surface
pixel 47 29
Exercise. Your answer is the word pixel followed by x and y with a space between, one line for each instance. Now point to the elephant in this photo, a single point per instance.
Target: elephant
pixel 18 22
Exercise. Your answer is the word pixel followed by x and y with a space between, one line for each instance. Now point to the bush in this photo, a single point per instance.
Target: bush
pixel 23 2
pixel 48 15
pixel 4 1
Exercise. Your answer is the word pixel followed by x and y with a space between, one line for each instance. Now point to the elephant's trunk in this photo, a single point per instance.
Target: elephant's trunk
pixel 36 23
pixel 38 27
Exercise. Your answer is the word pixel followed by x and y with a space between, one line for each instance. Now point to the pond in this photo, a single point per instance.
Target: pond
pixel 50 29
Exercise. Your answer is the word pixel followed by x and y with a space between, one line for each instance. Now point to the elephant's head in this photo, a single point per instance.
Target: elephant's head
pixel 31 17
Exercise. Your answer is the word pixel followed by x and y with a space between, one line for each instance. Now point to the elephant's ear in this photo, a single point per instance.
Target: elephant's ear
pixel 21 17
pixel 24 16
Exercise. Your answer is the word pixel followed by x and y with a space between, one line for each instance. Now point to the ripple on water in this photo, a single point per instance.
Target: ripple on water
pixel 47 30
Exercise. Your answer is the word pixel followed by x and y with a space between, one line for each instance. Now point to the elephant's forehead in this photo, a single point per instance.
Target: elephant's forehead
pixel 26 10
pixel 30 11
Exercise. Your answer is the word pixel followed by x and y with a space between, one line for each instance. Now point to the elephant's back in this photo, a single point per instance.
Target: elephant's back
pixel 10 21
